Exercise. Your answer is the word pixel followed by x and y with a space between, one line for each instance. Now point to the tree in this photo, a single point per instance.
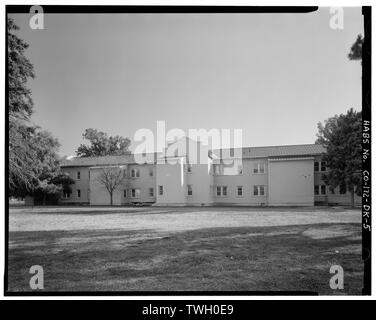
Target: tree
pixel 102 145
pixel 52 187
pixel 342 137
pixel 33 153
pixel 20 70
pixel 112 178
pixel 44 177
pixel 356 49
pixel 49 179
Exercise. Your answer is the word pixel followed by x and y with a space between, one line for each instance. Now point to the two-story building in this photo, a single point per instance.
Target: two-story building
pixel 255 176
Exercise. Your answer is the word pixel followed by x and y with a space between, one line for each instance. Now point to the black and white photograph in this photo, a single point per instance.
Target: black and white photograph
pixel 187 151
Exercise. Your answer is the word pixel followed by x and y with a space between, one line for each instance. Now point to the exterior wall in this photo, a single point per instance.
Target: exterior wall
pixel 98 192
pixel 286 182
pixel 248 179
pixel 201 180
pixel 291 182
pixel 81 184
pixel 172 178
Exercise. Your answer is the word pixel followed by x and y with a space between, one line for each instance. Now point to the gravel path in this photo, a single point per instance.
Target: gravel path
pixel 170 219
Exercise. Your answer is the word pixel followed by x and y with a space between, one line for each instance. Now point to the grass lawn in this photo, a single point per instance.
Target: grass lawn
pixel 256 252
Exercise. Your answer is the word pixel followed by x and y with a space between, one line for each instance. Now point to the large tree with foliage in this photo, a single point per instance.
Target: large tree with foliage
pixel 100 144
pixel 20 108
pixel 44 178
pixel 341 135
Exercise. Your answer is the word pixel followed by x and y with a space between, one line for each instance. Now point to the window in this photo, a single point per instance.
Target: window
pixel 189 190
pixel 239 191
pixel 160 190
pixel 323 166
pixel 259 168
pixel 316 167
pixel 240 169
pixel 189 168
pixel 66 194
pixel 151 172
pixel 78 193
pixel 78 175
pixel 317 190
pixel 151 192
pixel 221 191
pixel 135 173
pixel 258 190
pixel 125 193
pixel 323 190
pixel 135 193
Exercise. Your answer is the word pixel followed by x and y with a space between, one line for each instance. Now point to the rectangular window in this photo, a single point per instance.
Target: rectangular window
pixel 160 190
pixel 258 190
pixel 323 166
pixel 239 191
pixel 317 190
pixel 78 175
pixel 151 192
pixel 259 168
pixel 189 190
pixel 78 193
pixel 316 166
pixel 221 191
pixel 135 193
pixel 125 193
pixel 323 190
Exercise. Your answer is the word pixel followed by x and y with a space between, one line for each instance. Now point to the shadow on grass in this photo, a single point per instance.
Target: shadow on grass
pixel 288 258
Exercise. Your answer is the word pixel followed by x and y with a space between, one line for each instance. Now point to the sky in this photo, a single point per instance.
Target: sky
pixel 275 76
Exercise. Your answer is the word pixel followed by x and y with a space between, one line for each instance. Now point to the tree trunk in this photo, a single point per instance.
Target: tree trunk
pixel 111 199
pixel 352 197
pixel 44 200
